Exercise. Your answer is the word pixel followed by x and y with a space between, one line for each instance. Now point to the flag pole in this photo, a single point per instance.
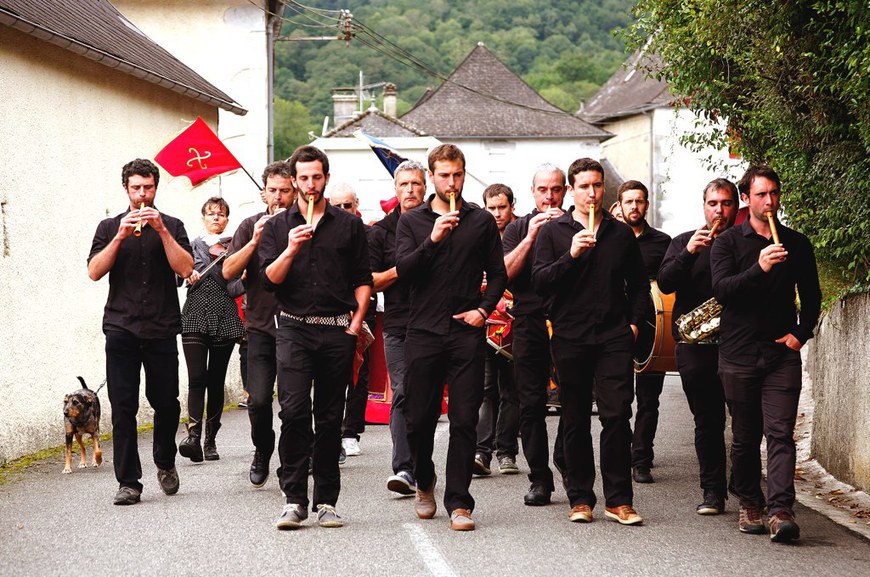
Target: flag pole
pixel 257 184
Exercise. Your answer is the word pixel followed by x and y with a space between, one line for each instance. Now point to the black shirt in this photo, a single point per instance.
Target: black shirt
pixel 759 307
pixel 262 305
pixel 143 294
pixel 526 299
pixel 326 270
pixel 382 249
pixel 686 274
pixel 595 296
pixel 445 278
pixel 653 246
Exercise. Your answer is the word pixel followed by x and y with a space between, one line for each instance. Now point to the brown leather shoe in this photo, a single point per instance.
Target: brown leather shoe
pixel 580 514
pixel 424 502
pixel 460 520
pixel 623 514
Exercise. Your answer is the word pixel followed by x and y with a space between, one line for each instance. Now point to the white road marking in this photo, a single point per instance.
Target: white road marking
pixel 435 562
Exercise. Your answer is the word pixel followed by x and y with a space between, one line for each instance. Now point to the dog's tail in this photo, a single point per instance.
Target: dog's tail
pixel 84 384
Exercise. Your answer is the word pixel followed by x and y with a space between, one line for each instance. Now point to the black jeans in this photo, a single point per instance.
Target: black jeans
pixel 532 378
pixel 609 366
pixel 126 354
pixel 699 366
pixel 262 370
pixel 648 389
pixel 763 399
pixel 355 403
pixel 324 355
pixel 207 362
pixel 432 360
pixel 498 418
pixel 394 351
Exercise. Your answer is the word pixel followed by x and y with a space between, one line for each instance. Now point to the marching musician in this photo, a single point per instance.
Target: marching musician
pixel 262 306
pixel 592 268
pixel 498 418
pixel 531 342
pixel 410 183
pixel 443 248
pixel 142 250
pixel 685 271
pixel 315 257
pixel 634 204
pixel 756 267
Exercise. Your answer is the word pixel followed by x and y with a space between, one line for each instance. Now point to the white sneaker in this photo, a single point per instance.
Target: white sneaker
pixel 351 446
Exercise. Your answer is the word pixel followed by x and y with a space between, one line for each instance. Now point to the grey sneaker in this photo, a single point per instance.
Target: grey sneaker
pixel 402 483
pixel 507 465
pixel 168 479
pixel 292 516
pixel 327 517
pixel 127 496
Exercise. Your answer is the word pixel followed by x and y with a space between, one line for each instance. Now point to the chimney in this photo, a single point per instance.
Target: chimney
pixel 344 103
pixel 390 99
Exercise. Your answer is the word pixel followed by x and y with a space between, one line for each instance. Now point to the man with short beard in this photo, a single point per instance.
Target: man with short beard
pixel 315 257
pixel 634 200
pixel 262 306
pixel 444 254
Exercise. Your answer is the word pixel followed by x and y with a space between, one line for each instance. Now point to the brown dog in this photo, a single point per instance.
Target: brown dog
pixel 81 415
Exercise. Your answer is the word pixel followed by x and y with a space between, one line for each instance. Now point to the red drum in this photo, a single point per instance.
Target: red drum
pixel 498 326
pixel 654 347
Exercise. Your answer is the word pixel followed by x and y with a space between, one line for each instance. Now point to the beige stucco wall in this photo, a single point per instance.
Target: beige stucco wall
pixel 225 42
pixel 69 125
pixel 841 419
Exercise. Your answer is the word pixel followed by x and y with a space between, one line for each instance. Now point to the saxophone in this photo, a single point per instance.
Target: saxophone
pixel 701 324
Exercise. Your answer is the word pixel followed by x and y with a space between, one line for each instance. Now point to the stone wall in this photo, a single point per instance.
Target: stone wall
pixel 838 357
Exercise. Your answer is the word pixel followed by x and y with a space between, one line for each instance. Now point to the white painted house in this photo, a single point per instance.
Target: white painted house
pixel 648 125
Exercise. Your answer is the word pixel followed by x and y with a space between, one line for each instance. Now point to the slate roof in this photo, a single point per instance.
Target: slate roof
pixel 629 91
pixel 483 98
pixel 96 30
pixel 375 122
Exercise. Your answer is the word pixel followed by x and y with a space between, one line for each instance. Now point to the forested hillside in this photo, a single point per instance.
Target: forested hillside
pixel 564 49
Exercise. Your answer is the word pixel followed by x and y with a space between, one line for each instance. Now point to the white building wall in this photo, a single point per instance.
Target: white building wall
pixel 225 42
pixel 71 125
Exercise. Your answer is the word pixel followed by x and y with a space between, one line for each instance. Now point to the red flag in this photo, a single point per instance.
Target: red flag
pixel 197 153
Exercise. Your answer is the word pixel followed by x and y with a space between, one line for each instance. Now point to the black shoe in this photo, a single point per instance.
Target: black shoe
pixel 342 457
pixel 190 448
pixel 714 503
pixel 641 474
pixel 259 468
pixel 481 465
pixel 537 496
pixel 209 450
pixel 127 495
pixel 168 479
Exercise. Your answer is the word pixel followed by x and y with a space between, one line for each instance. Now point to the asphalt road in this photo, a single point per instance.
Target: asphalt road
pixel 218 524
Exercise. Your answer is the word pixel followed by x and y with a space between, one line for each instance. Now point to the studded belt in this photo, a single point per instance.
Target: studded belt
pixel 336 321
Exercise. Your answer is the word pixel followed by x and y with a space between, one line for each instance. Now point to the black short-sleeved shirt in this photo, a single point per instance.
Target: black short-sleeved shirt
pixel 595 296
pixel 759 307
pixel 526 299
pixel 445 278
pixel 686 274
pixel 653 246
pixel 382 250
pixel 143 293
pixel 326 270
pixel 262 305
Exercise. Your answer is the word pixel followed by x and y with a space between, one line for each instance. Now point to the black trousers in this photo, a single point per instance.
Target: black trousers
pixel 324 355
pixel 763 400
pixel 498 418
pixel 699 373
pixel 648 389
pixel 261 369
pixel 532 377
pixel 609 366
pixel 355 403
pixel 207 362
pixel 431 361
pixel 394 351
pixel 126 354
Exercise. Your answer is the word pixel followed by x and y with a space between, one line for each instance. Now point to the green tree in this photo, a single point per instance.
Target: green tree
pixel 793 81
pixel 292 124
